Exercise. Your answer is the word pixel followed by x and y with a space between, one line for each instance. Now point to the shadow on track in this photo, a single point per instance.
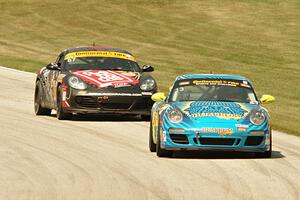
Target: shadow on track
pixel 106 118
pixel 221 155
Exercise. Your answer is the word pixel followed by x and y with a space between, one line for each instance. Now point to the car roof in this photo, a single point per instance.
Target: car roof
pixel 211 76
pixel 95 48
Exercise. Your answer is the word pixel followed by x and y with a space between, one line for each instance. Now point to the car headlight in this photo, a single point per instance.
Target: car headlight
pixel 257 117
pixel 148 84
pixel 175 116
pixel 77 83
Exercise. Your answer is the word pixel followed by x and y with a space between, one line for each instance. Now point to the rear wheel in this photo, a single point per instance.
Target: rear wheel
pixel 38 109
pixel 266 154
pixel 152 145
pixel 61 114
pixel 159 151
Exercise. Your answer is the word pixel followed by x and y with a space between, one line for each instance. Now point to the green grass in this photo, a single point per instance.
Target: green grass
pixel 259 39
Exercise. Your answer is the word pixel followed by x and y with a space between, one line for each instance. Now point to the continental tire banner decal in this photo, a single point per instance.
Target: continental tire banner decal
pixel 222 82
pixel 80 54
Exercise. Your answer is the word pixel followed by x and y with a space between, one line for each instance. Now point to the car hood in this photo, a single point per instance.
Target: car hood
pixel 215 111
pixel 108 78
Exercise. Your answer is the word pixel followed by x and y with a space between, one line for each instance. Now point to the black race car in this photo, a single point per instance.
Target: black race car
pixel 91 80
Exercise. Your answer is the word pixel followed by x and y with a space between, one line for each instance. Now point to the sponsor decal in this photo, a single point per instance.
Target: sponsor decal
pixel 163 136
pixel 242 129
pixel 106 78
pixel 184 83
pixel 215 109
pixel 253 102
pixel 70 57
pixel 261 132
pixel 220 82
pixel 147 93
pixel 82 92
pixel 103 99
pixel 64 102
pixel 220 131
pixel 242 125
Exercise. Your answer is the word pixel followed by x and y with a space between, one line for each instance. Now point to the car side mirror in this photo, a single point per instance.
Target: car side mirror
pixel 158 97
pixel 53 66
pixel 267 99
pixel 147 68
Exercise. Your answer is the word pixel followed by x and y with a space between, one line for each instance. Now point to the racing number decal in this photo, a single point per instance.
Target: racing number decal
pixel 105 78
pixel 108 77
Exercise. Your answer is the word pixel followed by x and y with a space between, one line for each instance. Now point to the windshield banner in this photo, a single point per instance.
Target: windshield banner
pixel 71 56
pixel 221 82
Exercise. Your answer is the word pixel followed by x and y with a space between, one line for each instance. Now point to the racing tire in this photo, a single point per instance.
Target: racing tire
pixel 266 154
pixel 152 145
pixel 60 113
pixel 162 152
pixel 38 109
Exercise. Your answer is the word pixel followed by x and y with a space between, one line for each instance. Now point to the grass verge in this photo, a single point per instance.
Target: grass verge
pixel 259 39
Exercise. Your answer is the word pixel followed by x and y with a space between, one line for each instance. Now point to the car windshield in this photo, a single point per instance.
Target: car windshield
pixel 101 63
pixel 213 90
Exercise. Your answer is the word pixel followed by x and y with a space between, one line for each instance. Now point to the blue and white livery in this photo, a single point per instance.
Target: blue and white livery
pixel 210 112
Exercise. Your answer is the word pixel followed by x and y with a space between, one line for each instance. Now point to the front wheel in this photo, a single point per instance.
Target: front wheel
pixel 38 109
pixel 152 145
pixel 266 154
pixel 159 151
pixel 61 114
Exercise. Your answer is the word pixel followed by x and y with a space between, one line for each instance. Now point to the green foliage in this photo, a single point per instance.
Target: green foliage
pixel 256 39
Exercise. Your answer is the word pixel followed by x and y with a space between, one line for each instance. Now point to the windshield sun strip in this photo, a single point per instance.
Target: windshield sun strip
pixel 80 54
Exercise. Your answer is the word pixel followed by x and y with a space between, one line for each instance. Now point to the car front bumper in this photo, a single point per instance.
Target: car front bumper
pixel 191 140
pixel 97 103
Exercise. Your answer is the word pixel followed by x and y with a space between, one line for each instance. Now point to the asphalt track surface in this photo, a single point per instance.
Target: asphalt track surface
pixel 108 158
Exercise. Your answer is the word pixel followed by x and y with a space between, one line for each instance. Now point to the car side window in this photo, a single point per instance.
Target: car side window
pixel 60 59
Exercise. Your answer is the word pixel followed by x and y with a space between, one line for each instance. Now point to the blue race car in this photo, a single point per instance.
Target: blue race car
pixel 210 112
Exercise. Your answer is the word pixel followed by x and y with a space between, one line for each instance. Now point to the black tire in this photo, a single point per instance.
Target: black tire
pixel 38 109
pixel 60 113
pixel 152 145
pixel 266 154
pixel 145 117
pixel 162 152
